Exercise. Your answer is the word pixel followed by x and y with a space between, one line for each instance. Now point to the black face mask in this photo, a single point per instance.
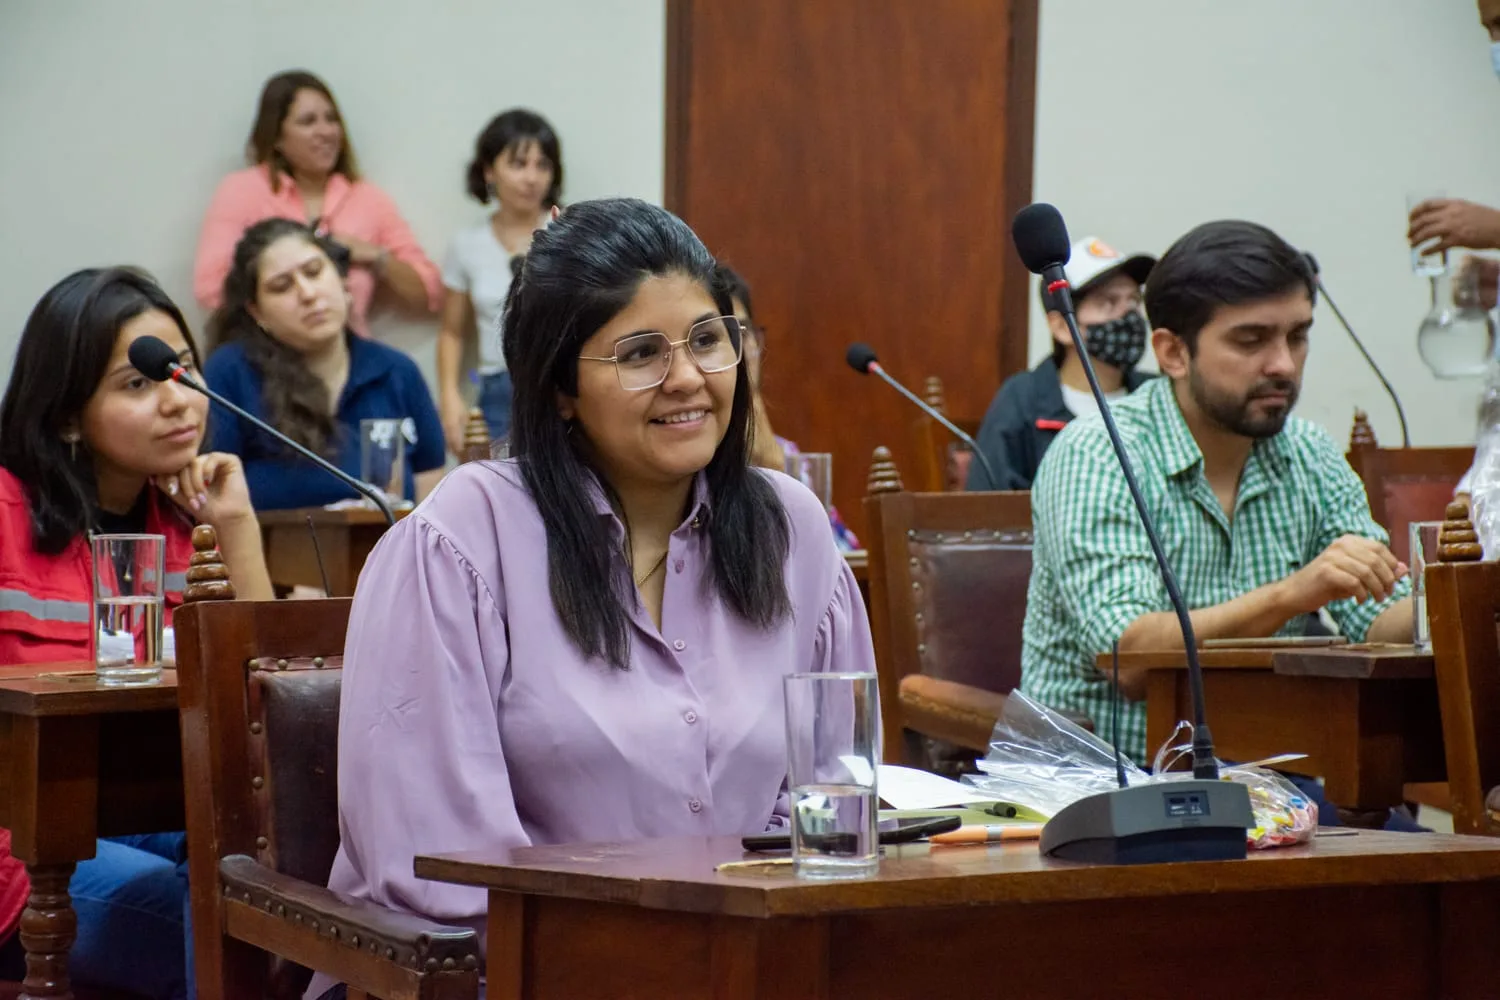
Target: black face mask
pixel 1120 342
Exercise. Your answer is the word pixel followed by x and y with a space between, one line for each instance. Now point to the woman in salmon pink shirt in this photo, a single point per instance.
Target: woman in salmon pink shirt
pixel 89 444
pixel 303 168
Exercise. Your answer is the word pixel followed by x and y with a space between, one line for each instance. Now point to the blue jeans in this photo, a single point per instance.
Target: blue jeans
pixel 494 399
pixel 134 934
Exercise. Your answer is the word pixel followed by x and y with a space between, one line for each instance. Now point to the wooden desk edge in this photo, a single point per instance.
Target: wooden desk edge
pixel 760 897
pixel 36 695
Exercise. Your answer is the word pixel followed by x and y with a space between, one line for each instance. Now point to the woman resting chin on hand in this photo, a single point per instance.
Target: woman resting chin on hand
pixel 89 445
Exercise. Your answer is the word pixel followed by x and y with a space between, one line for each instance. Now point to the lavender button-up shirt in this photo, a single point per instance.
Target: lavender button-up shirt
pixel 470 721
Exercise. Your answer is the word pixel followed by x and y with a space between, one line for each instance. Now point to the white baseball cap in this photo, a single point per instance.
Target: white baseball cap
pixel 1093 260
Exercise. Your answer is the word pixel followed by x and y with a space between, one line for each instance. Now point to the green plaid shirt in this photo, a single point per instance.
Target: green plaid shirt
pixel 1092 570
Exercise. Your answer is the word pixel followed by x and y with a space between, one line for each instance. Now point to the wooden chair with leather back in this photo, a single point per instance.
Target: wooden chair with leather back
pixel 1463 602
pixel 1404 484
pixel 948 579
pixel 259 696
pixel 942 460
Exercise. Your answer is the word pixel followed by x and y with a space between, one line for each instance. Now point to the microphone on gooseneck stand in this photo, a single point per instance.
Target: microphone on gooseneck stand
pixel 158 362
pixel 1312 263
pixel 1191 820
pixel 861 358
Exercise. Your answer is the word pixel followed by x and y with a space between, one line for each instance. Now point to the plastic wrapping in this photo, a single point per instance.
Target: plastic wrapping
pixel 1040 760
pixel 1484 482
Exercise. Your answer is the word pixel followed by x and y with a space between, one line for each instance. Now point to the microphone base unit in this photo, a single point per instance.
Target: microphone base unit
pixel 1155 823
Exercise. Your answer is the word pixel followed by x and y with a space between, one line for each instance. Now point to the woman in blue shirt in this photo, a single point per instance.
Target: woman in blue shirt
pixel 286 354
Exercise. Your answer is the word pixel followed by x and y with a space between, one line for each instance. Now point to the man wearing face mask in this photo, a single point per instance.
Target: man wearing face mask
pixel 1032 406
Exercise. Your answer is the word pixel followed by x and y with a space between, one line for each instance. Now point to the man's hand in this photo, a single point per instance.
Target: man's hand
pixel 1453 222
pixel 1353 566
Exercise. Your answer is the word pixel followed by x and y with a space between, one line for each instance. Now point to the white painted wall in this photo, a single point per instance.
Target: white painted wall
pixel 1314 117
pixel 117 119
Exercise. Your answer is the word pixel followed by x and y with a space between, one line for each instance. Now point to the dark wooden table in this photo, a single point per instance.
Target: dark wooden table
pixel 80 762
pixel 1364 915
pixel 345 538
pixel 1366 716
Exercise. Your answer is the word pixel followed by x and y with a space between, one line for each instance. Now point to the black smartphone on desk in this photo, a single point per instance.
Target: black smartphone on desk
pixel 904 831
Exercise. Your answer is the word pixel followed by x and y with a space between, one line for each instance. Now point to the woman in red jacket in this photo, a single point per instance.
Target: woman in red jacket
pixel 88 444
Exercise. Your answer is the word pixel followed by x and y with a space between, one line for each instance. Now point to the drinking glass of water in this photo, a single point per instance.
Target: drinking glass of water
pixel 382 455
pixel 1426 265
pixel 1424 550
pixel 814 469
pixel 129 592
pixel 833 748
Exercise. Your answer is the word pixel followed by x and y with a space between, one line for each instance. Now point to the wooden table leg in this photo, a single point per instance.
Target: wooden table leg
pixel 48 927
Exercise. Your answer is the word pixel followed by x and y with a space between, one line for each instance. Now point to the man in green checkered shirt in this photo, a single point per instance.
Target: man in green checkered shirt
pixel 1261 517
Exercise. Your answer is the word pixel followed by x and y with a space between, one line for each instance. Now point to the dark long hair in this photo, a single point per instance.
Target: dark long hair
pixel 276 99
pixel 512 130
pixel 64 355
pixel 580 272
pixel 296 400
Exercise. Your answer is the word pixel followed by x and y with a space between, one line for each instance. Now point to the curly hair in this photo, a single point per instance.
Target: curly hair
pixel 295 399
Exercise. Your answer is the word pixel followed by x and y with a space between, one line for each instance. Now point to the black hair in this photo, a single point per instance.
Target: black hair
pixel 512 131
pixel 728 281
pixel 63 356
pixel 296 400
pixel 579 273
pixel 1225 263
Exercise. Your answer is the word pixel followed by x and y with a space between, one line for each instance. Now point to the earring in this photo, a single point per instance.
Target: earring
pixel 72 440
pixel 489 189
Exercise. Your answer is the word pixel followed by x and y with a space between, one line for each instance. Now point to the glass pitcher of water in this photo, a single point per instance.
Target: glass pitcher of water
pixel 1457 335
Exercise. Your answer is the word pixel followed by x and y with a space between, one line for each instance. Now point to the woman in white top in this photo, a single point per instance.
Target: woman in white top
pixel 518 164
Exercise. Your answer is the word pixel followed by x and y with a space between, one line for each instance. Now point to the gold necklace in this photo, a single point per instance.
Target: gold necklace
pixel 652 571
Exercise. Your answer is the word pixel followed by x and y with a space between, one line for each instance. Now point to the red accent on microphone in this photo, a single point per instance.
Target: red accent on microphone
pixel 177 373
pixel 874 366
pixel 1043 424
pixel 1058 285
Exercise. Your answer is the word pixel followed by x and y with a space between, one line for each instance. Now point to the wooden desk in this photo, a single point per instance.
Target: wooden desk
pixel 1371 914
pixel 80 762
pixel 1366 717
pixel 345 537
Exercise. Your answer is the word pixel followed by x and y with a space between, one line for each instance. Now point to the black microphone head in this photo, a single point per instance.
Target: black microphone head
pixel 860 357
pixel 152 358
pixel 1040 237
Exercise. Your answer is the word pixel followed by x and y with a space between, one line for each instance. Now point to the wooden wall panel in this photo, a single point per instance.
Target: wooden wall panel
pixel 859 162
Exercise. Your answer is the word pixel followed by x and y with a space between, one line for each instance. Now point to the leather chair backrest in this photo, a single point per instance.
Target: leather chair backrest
pixel 969 596
pixel 1410 499
pixel 294 712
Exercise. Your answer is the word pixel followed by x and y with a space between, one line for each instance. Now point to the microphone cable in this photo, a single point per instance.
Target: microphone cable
pixel 1389 390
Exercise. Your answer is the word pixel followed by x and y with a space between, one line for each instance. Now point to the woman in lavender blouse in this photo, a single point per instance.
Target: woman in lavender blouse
pixel 586 642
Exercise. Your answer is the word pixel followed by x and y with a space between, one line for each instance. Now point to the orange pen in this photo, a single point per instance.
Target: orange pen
pixel 989 834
